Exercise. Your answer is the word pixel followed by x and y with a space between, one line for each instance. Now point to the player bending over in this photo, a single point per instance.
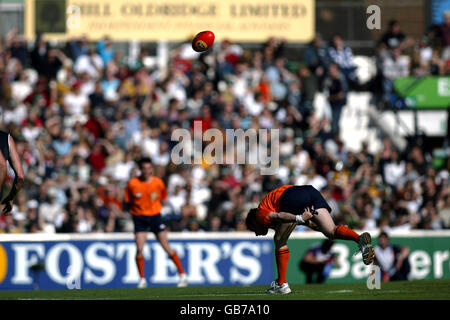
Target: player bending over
pixel 288 206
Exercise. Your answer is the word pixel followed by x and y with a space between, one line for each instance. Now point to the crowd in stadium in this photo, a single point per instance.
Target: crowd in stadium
pixel 81 114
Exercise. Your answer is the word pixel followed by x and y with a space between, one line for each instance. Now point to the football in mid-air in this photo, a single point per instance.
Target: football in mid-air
pixel 203 41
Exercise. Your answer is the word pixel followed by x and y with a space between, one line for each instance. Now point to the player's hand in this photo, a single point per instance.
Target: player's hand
pixel 307 214
pixel 7 207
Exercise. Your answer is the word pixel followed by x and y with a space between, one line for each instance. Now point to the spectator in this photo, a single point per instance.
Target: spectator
pixel 444 212
pixel 311 177
pixel 76 105
pixel 309 88
pixel 392 259
pixel 318 261
pixel 393 66
pixel 110 84
pixel 394 37
pixel 105 50
pixel 38 55
pixel 91 63
pixel 342 56
pixel 278 75
pixel 53 62
pixel 48 212
pixel 336 86
pixel 122 171
pixel 317 58
pixel 17 46
pixel 78 47
pixel 443 34
pixel 394 170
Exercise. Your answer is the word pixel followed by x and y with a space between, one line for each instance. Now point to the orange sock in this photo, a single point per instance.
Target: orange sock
pixel 282 258
pixel 344 233
pixel 177 262
pixel 140 264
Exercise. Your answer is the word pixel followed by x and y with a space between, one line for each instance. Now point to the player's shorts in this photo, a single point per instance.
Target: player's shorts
pixel 297 198
pixel 148 223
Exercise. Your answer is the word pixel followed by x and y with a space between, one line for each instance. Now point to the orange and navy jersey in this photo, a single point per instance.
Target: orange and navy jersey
pixel 144 198
pixel 270 204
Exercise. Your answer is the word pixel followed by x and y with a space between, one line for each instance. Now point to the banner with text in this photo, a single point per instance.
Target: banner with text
pixel 424 93
pixel 109 263
pixel 429 258
pixel 172 20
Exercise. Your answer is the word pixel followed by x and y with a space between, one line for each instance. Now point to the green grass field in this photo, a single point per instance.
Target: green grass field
pixel 404 290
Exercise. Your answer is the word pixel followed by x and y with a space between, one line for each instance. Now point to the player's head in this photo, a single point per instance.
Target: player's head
pixel 253 225
pixel 383 239
pixel 145 166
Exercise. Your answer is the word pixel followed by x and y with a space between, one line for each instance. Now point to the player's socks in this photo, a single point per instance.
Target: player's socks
pixel 140 264
pixel 282 258
pixel 345 233
pixel 177 262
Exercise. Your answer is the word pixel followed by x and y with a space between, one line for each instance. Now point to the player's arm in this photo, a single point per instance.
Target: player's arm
pixel 19 176
pixel 163 194
pixel 126 198
pixel 289 217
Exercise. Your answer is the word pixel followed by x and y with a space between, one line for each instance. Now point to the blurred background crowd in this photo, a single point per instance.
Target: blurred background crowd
pixel 81 114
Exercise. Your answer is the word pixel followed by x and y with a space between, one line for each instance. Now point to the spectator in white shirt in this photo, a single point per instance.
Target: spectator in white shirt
pixel 393 67
pixel 48 212
pixel 392 259
pixel 311 178
pixel 75 103
pixel 394 170
pixel 122 170
pixel 301 159
pixel 91 63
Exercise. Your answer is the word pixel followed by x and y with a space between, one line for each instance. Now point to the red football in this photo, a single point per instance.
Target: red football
pixel 203 41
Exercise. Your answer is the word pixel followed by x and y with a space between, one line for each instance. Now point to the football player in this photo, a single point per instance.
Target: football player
pixel 143 196
pixel 288 206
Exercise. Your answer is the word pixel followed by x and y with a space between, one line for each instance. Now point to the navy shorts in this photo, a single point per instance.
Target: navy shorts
pixel 148 223
pixel 296 199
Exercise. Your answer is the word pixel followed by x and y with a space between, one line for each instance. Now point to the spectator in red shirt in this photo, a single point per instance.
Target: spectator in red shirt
pixel 97 158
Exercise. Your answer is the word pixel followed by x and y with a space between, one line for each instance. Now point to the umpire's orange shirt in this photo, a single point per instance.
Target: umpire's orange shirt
pixel 144 198
pixel 270 204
